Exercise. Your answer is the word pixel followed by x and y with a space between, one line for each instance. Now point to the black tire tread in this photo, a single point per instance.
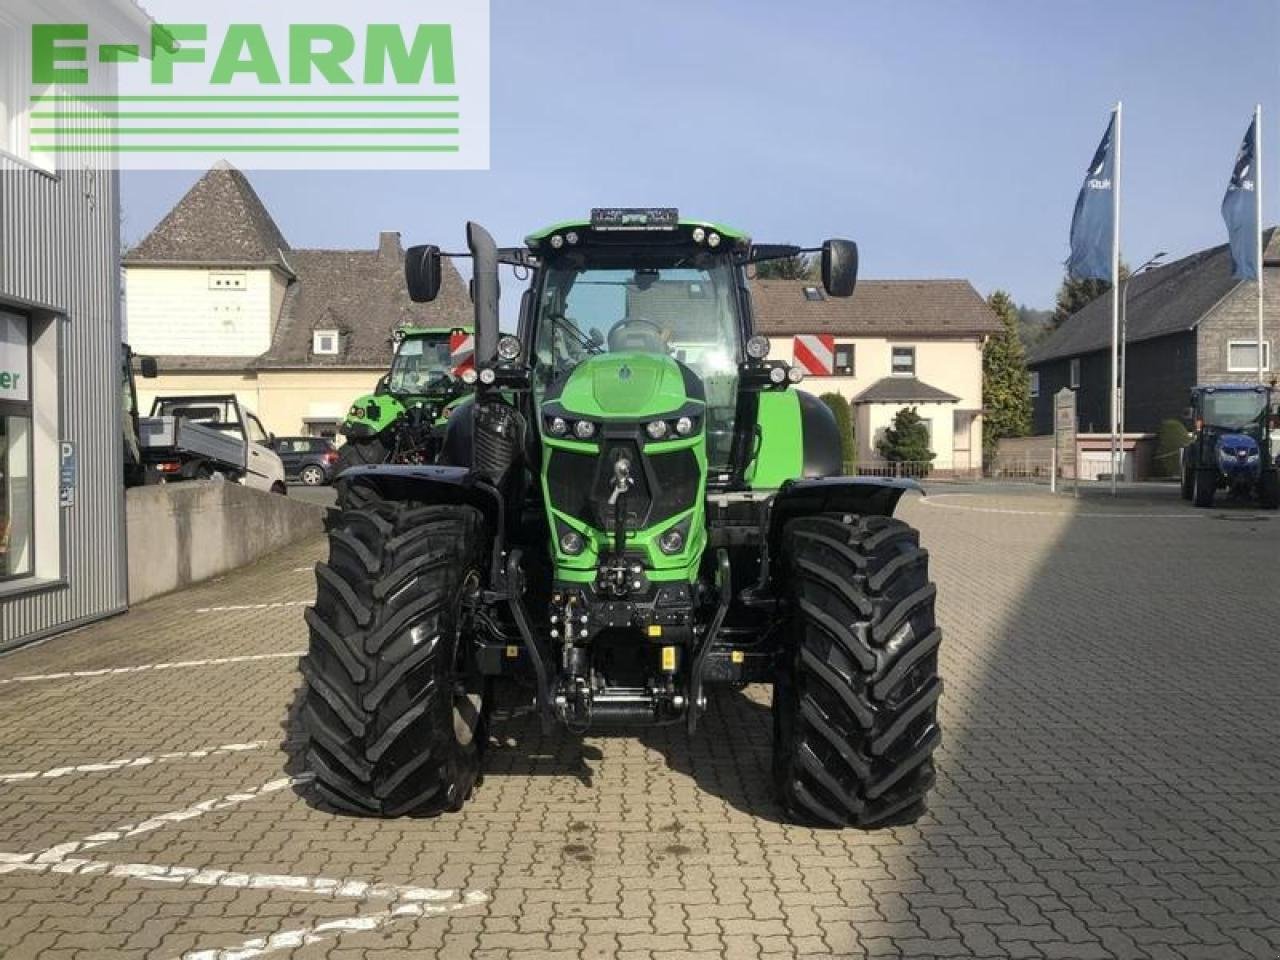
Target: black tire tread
pixel 379 699
pixel 856 699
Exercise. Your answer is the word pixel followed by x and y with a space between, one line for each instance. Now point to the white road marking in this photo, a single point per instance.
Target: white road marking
pixel 143 668
pixel 213 877
pixel 277 605
pixel 933 502
pixel 61 851
pixel 110 765
pixel 310 569
pixel 330 930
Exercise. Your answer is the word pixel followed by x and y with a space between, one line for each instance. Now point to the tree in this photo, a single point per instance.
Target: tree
pixel 1170 440
pixel 1075 295
pixel 1006 385
pixel 907 441
pixel 798 267
pixel 839 407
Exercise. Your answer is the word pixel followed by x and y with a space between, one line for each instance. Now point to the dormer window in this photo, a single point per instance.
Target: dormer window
pixel 325 343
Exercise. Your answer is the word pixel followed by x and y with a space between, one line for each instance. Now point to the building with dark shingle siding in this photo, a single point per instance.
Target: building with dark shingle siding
pixel 217 294
pixel 1186 323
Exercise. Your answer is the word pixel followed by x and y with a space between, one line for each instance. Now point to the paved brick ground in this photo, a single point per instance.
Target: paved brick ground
pixel 1110 785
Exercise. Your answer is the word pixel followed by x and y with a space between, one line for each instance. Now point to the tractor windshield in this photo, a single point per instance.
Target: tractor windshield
pixel 679 305
pixel 1234 409
pixel 421 364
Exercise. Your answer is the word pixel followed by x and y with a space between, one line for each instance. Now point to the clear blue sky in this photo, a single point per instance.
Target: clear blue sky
pixel 948 139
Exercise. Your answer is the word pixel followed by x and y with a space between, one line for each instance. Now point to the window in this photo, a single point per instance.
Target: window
pixel 16 506
pixel 1075 373
pixel 904 361
pixel 1035 383
pixel 226 281
pixel 1242 356
pixel 843 365
pixel 256 432
pixel 325 342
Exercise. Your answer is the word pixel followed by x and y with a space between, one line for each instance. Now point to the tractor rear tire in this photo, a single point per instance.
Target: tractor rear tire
pixel 357 453
pixel 1269 490
pixel 1188 483
pixel 1204 485
pixel 855 700
pixel 395 709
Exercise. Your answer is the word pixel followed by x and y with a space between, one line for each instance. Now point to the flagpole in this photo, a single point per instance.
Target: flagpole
pixel 1115 297
pixel 1257 199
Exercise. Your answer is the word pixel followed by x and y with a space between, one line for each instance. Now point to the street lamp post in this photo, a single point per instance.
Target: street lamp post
pixel 1123 386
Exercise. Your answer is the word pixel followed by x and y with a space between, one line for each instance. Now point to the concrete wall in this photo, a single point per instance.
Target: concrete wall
pixel 183 533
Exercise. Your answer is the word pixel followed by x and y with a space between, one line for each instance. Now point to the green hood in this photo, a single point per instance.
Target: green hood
pixel 624 385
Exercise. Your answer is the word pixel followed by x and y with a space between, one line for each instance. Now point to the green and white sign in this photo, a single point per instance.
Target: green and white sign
pixel 14 363
pixel 320 84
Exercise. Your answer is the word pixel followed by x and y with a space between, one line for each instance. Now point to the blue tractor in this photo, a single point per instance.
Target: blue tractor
pixel 1231 448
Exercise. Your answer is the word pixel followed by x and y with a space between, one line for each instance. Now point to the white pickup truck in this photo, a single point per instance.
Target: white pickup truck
pixel 207 438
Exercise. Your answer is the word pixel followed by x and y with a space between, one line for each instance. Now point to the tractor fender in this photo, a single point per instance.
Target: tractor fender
pixel 376 413
pixel 868 496
pixel 439 485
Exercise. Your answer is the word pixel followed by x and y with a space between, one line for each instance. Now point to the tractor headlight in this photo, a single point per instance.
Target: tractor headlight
pixel 671 542
pixel 509 349
pixel 572 237
pixel 699 235
pixel 656 429
pixel 713 240
pixel 488 376
pixel 357 412
pixel 469 376
pixel 778 375
pixel 584 429
pixel 572 543
pixel 795 374
pixel 684 426
pixel 758 347
pixel 557 242
pixel 557 426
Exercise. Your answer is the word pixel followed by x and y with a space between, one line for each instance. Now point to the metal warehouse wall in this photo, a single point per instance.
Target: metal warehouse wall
pixel 59 246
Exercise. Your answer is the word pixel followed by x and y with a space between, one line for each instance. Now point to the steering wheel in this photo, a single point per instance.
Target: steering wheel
pixel 654 342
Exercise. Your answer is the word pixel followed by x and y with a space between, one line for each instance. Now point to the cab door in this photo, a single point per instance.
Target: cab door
pixel 263 468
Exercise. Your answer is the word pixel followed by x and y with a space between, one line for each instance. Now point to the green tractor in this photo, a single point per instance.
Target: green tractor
pixel 635 506
pixel 404 419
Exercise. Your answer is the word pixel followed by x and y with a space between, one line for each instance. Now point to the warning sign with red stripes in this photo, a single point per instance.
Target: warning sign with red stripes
pixel 815 353
pixel 462 352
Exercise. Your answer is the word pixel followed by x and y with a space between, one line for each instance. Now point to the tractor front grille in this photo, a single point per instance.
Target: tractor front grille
pixel 580 484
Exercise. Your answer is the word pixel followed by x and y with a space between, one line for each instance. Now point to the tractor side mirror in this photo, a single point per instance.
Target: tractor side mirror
pixel 150 370
pixel 839 267
pixel 422 273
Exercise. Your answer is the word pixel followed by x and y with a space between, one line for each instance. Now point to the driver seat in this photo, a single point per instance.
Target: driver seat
pixel 635 336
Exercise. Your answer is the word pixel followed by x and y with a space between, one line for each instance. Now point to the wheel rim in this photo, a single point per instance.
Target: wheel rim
pixel 311 476
pixel 468 686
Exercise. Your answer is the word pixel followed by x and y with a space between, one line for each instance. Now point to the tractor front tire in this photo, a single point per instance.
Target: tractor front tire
pixel 357 453
pixel 855 701
pixel 1269 490
pixel 394 709
pixel 1204 484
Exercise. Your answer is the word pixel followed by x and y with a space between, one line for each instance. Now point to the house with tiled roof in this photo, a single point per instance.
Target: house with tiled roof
pixel 893 344
pixel 226 305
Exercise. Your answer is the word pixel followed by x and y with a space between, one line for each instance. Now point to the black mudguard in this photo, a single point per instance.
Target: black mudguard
pixel 868 496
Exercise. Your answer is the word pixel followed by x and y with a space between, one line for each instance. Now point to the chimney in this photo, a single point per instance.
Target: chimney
pixel 389 245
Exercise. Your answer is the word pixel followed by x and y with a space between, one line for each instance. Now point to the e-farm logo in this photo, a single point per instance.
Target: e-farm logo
pixel 262 90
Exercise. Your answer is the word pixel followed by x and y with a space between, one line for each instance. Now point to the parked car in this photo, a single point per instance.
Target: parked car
pixel 309 460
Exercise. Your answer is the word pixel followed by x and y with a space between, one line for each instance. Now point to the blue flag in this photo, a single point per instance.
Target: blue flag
pixel 1240 208
pixel 1093 223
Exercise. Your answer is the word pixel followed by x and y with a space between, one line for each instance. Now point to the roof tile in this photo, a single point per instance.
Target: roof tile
pixel 877 308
